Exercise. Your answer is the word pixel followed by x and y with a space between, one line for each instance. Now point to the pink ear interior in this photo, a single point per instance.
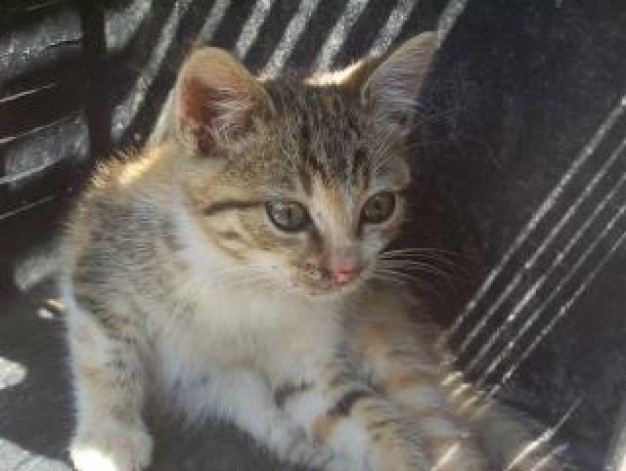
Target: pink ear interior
pixel 216 95
pixel 199 110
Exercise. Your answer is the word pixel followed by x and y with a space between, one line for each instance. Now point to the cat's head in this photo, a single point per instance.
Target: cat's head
pixel 301 182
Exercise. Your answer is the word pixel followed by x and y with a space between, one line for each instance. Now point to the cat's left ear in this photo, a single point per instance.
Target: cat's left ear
pixel 390 90
pixel 216 100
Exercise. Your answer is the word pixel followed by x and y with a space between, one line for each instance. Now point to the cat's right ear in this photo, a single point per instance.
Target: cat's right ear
pixel 216 99
pixel 389 85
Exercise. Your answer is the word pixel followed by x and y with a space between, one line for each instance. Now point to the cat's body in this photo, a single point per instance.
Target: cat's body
pixel 235 271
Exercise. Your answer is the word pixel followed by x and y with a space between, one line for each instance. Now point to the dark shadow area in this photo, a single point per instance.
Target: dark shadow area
pixel 52 103
pixel 527 86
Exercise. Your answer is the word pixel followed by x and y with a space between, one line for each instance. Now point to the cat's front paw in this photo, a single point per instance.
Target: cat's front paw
pixel 111 448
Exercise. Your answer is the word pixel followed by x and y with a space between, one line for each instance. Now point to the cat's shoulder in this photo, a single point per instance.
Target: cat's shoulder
pixel 120 188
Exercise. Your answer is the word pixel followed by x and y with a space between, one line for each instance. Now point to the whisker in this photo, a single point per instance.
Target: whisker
pixel 423 267
pixel 387 274
pixel 425 250
pixel 443 263
pixel 391 275
pixel 428 258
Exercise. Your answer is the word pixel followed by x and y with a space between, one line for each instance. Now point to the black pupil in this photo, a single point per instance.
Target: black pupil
pixel 379 207
pixel 287 216
pixel 290 216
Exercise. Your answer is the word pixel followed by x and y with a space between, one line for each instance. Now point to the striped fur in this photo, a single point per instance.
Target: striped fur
pixel 179 285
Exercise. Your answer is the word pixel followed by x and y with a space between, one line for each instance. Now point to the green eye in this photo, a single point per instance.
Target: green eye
pixel 288 216
pixel 379 207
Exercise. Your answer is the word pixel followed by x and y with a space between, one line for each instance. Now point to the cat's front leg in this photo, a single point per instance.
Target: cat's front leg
pixel 355 421
pixel 245 398
pixel 395 355
pixel 109 385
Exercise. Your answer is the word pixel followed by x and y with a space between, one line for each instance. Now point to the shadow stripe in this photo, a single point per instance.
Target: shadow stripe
pixel 271 33
pixel 311 40
pixel 366 29
pixel 337 35
pixel 288 39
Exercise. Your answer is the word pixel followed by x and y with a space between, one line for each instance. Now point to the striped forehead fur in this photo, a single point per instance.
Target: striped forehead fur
pixel 317 133
pixel 326 128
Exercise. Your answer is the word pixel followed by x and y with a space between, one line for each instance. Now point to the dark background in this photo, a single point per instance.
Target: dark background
pixel 519 172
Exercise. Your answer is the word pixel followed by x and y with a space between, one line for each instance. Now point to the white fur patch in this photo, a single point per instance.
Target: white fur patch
pixel 307 407
pixel 420 397
pixel 350 437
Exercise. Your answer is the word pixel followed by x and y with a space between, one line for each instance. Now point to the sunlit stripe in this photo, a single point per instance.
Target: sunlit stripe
pixel 35 130
pixel 551 432
pixel 449 17
pixel 616 454
pixel 564 309
pixel 469 403
pixel 541 212
pixel 131 15
pixel 290 37
pixel 250 29
pixel 532 318
pixel 124 112
pixel 546 460
pixel 387 35
pixel 26 207
pixel 544 438
pixel 25 93
pixel 555 263
pixel 20 455
pixel 530 263
pixel 445 459
pixel 339 33
pixel 214 19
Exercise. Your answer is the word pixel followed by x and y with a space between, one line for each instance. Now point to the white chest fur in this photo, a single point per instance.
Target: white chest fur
pixel 214 326
pixel 277 339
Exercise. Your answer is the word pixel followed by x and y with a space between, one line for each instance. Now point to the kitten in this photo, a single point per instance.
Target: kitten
pixel 238 269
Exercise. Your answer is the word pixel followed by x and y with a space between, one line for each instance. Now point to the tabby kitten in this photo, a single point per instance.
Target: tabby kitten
pixel 236 268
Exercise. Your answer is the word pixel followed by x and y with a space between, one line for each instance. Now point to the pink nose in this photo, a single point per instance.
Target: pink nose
pixel 344 265
pixel 343 277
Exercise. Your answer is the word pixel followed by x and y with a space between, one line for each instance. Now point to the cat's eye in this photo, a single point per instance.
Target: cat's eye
pixel 379 208
pixel 288 216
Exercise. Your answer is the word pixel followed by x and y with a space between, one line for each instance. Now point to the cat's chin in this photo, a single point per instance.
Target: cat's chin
pixel 327 292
